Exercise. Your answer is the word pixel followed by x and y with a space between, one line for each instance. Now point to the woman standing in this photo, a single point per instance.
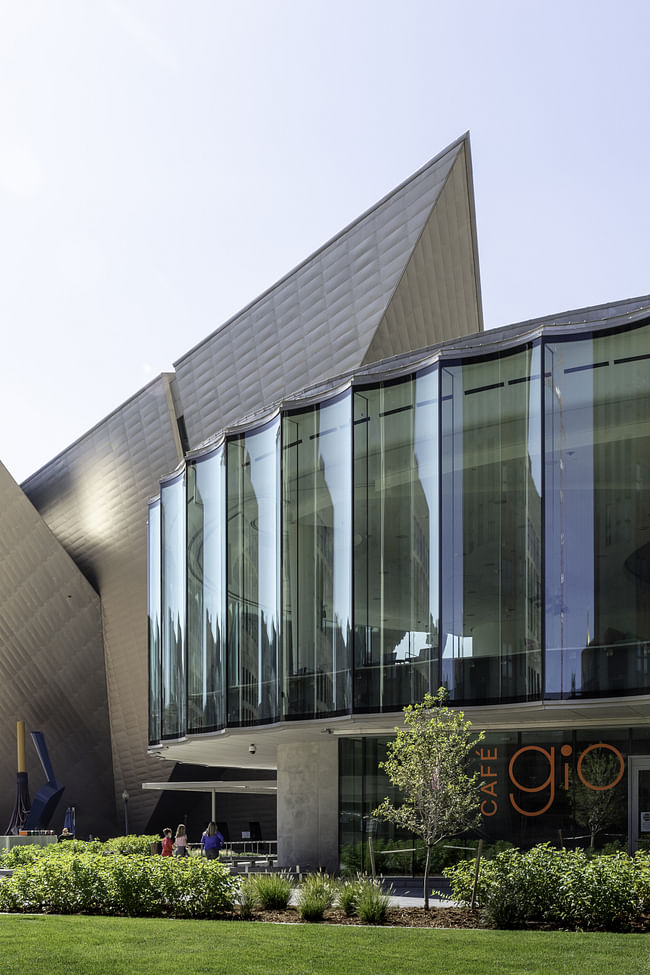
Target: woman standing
pixel 212 841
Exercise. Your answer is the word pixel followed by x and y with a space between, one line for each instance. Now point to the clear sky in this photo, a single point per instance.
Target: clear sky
pixel 162 163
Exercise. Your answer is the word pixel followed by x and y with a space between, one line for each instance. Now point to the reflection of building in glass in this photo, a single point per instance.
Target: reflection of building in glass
pixel 358 495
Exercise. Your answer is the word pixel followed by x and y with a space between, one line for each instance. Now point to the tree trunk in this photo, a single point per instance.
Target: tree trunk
pixel 426 878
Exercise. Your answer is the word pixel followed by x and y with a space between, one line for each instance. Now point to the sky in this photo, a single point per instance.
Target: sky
pixel 163 163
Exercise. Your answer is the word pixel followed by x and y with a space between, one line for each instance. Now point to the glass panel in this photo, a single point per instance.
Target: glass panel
pixel 351 786
pixel 491 528
pixel 598 515
pixel 206 593
pixel 316 560
pixel 153 536
pixel 395 543
pixel 253 573
pixel 643 806
pixel 173 608
pixel 362 787
pixel 563 787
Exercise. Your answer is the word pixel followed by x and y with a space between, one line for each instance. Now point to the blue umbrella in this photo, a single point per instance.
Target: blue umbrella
pixel 69 821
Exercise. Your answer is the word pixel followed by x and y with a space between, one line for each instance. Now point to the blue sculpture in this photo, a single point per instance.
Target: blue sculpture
pixel 46 799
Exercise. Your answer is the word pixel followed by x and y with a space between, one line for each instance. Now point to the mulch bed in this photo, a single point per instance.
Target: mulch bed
pixel 417 917
pixel 402 917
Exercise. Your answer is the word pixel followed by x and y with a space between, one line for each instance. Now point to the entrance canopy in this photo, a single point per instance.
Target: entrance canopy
pixel 252 787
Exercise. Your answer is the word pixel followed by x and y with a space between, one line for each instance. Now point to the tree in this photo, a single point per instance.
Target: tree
pixel 428 761
pixel 598 806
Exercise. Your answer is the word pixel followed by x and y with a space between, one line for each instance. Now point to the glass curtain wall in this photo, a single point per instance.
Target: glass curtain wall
pixel 174 692
pixel 316 563
pixel 253 575
pixel 492 528
pixel 153 615
pixel 597 428
pixel 395 542
pixel 206 587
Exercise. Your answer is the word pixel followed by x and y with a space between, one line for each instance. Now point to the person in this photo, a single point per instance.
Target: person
pixel 180 841
pixel 66 835
pixel 167 844
pixel 212 841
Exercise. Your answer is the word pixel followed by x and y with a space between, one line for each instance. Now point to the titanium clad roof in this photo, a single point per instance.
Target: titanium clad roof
pixel 438 295
pixel 93 497
pixel 51 667
pixel 588 320
pixel 322 317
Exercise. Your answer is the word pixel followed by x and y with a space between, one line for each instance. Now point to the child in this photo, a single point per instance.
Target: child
pixel 167 844
pixel 180 842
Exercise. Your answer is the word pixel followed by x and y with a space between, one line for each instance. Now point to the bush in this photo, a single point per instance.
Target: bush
pixel 130 844
pixel 348 893
pixel 373 903
pixel 68 881
pixel 247 898
pixel 274 890
pixel 315 896
pixel 565 888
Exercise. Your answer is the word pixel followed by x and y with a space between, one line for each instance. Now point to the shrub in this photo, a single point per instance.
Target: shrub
pixel 316 894
pixel 131 844
pixel 373 903
pixel 247 898
pixel 348 893
pixel 274 890
pixel 566 888
pixel 66 881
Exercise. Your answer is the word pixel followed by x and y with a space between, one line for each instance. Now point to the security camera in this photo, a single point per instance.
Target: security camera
pixel 252 749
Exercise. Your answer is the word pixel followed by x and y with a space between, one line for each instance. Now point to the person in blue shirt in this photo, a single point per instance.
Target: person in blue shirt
pixel 211 841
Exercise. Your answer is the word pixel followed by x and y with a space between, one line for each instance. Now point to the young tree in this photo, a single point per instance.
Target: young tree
pixel 428 761
pixel 598 806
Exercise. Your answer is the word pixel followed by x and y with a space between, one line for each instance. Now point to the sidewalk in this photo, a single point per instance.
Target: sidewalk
pixel 408 891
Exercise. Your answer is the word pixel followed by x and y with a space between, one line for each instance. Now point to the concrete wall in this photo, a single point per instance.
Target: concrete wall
pixel 308 800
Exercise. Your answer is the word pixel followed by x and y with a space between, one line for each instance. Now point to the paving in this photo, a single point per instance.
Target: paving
pixel 408 891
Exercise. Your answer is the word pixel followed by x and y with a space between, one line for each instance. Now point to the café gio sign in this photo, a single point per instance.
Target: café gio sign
pixel 556 767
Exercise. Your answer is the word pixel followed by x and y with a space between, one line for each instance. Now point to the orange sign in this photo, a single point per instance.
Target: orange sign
pixel 488 773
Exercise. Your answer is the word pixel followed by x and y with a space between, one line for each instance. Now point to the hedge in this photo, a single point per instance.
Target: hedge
pixel 561 888
pixel 66 879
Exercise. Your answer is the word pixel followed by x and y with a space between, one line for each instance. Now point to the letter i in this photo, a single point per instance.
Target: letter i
pixel 566 750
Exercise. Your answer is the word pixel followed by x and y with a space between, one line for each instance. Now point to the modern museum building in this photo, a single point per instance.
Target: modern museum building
pixel 349 495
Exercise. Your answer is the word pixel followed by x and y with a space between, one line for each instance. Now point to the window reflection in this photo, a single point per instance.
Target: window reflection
pixel 253 573
pixel 598 515
pixel 154 613
pixel 206 593
pixel 316 564
pixel 491 528
pixel 395 542
pixel 172 502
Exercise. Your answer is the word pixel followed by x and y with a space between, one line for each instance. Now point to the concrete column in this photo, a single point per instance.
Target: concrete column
pixel 308 805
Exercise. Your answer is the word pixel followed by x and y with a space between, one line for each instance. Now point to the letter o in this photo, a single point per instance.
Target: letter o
pixel 601 788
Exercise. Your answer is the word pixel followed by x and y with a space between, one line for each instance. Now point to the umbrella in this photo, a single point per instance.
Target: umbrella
pixel 69 821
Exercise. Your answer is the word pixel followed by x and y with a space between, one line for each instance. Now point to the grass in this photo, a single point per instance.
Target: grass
pixel 53 945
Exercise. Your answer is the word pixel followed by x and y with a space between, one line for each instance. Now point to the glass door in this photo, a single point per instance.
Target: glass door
pixel 639 803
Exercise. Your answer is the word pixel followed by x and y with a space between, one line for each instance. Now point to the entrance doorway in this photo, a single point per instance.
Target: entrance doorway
pixel 638 802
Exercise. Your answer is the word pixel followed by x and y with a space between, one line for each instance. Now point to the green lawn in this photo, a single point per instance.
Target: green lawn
pixel 41 945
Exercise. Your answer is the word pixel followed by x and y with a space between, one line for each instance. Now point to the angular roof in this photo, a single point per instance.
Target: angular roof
pixel 402 276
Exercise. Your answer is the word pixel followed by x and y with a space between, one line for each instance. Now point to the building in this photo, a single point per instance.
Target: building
pixel 356 494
